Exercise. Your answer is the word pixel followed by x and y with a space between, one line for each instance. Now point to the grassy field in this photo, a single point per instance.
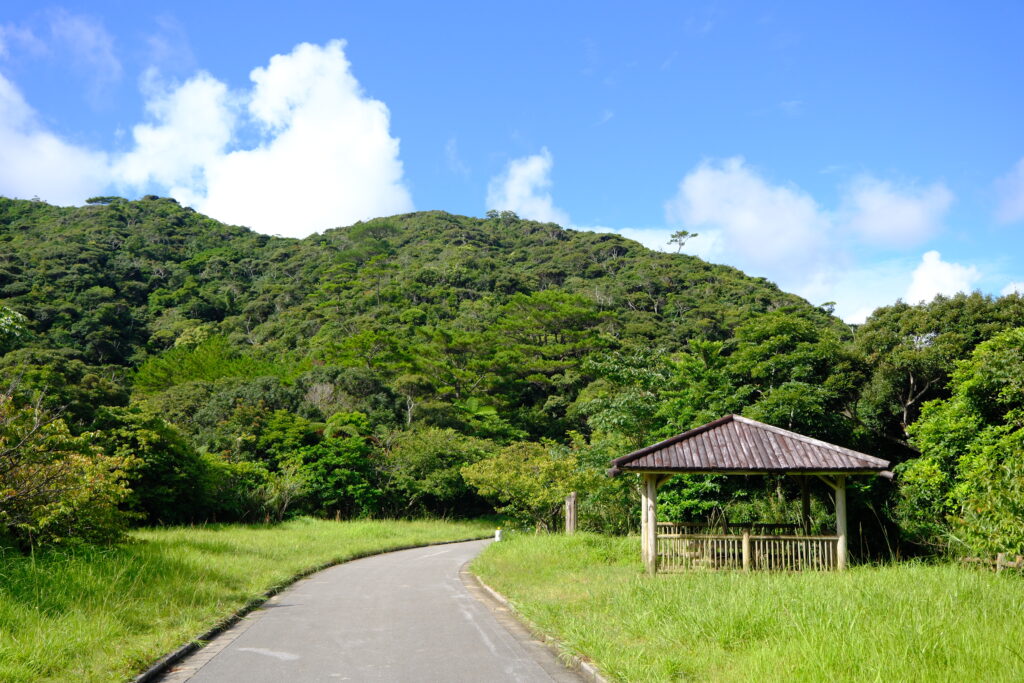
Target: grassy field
pixel 107 614
pixel 909 622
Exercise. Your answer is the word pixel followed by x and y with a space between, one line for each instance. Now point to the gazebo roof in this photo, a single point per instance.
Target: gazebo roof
pixel 739 445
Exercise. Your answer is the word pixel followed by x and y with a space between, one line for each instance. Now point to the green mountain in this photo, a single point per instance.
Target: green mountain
pixel 202 371
pixel 431 311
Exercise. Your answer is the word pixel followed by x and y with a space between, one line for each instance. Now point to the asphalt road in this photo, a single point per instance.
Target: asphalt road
pixel 402 616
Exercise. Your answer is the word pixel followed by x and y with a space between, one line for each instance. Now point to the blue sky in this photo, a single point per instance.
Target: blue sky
pixel 850 152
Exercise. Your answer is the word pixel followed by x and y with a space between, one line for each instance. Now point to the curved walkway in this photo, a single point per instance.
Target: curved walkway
pixel 401 616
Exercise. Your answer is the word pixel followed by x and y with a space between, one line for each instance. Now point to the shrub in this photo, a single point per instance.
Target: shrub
pixel 56 487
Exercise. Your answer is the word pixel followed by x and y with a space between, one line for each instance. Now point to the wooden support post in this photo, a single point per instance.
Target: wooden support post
pixel 651 517
pixel 805 506
pixel 841 522
pixel 746 550
pixel 643 519
pixel 570 513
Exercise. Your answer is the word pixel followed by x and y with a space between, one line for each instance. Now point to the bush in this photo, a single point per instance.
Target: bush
pixel 425 469
pixel 529 481
pixel 169 481
pixel 338 478
pixel 55 487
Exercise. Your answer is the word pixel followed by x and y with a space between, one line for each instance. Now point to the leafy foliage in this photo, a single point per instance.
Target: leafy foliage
pixel 425 469
pixel 169 480
pixel 964 492
pixel 14 329
pixel 529 480
pixel 55 487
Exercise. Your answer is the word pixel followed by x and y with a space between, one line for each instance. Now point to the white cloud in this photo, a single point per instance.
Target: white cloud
pixel 90 44
pixel 455 163
pixel 35 162
pixel 1013 288
pixel 781 232
pixel 20 39
pixel 169 46
pixel 705 245
pixel 327 158
pixel 324 156
pixel 522 188
pixel 195 123
pixel 770 229
pixel 1011 195
pixel 934 276
pixel 883 214
pixel 655 239
pixel 858 289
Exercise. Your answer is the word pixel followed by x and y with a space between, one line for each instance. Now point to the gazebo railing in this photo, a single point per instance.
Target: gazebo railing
pixel 755 528
pixel 679 551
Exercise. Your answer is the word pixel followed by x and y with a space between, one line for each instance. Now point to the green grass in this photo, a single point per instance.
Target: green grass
pixel 908 622
pixel 105 614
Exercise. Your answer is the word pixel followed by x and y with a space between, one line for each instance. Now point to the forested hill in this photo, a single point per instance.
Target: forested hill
pixel 432 309
pixel 440 364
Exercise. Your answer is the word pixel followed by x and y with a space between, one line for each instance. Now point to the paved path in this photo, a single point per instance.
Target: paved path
pixel 402 616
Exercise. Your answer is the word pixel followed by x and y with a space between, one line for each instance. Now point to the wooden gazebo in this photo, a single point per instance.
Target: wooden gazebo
pixel 739 445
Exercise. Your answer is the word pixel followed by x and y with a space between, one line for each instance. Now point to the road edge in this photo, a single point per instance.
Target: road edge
pixel 161 666
pixel 577 663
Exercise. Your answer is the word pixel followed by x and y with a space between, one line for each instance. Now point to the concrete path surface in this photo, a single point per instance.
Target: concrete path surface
pixel 402 616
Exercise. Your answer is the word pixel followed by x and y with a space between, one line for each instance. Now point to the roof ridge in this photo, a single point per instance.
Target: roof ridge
pixel 640 452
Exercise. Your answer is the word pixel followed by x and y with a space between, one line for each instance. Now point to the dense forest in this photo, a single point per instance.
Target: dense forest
pixel 160 367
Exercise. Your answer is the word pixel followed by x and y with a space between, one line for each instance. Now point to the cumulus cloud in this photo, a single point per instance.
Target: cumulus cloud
pixel 770 228
pixel 706 245
pixel 859 288
pixel 1011 195
pixel 35 162
pixel 934 276
pixel 323 157
pixel 883 214
pixel 194 123
pixel 523 188
pixel 781 232
pixel 1013 288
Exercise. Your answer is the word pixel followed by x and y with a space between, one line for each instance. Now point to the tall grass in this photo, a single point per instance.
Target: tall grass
pixel 909 622
pixel 104 614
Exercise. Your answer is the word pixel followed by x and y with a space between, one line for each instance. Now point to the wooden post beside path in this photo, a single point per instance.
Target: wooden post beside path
pixel 570 513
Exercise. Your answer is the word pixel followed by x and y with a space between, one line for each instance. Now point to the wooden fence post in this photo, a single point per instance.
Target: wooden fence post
pixel 570 513
pixel 746 550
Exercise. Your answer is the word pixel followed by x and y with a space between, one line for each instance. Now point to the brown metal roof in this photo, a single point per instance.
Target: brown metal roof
pixel 744 446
